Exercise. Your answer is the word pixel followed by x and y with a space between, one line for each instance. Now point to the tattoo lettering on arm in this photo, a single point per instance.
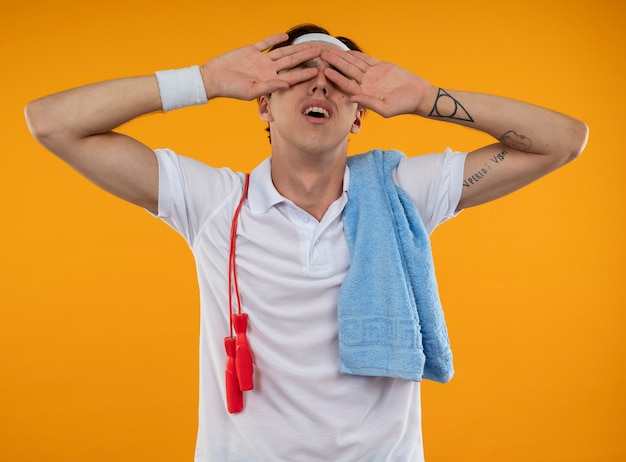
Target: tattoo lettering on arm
pixel 516 141
pixel 484 171
pixel 498 158
pixel 476 177
pixel 447 107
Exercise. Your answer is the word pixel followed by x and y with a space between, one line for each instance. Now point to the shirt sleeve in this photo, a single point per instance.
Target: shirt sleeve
pixel 434 182
pixel 191 191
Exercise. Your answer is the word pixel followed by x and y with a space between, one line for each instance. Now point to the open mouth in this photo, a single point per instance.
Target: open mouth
pixel 317 112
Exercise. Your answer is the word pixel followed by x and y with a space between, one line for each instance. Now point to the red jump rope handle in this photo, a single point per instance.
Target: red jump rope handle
pixel 243 358
pixel 234 395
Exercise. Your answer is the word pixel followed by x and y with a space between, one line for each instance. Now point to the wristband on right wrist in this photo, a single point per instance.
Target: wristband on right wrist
pixel 181 88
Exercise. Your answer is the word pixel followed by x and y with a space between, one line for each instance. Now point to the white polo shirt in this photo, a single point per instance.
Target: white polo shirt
pixel 290 268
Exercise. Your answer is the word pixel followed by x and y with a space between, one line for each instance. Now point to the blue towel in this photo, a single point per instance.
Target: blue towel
pixel 391 321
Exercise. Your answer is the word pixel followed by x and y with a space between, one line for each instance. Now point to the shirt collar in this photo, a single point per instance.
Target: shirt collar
pixel 262 195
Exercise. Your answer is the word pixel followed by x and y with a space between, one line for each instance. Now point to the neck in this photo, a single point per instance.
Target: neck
pixel 313 183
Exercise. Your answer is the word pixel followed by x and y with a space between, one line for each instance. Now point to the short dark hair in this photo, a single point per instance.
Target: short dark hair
pixel 304 29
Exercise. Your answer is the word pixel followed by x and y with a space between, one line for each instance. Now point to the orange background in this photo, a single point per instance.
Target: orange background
pixel 99 316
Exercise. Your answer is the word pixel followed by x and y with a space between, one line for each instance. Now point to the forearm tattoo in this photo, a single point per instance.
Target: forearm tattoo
pixel 447 107
pixel 483 171
pixel 516 141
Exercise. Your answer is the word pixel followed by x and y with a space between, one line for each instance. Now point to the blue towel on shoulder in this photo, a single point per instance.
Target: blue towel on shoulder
pixel 391 321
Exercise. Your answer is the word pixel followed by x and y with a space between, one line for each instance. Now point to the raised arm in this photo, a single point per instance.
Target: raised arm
pixel 78 125
pixel 530 141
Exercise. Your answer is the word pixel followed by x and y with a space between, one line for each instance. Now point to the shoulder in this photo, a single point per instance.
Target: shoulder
pixel 195 174
pixel 434 184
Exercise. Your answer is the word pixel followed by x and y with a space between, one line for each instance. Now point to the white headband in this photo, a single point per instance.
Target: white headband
pixel 321 38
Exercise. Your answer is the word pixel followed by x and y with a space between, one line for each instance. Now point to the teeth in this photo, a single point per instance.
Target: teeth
pixel 315 111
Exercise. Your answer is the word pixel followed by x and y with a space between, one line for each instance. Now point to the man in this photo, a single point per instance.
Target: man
pixel 289 250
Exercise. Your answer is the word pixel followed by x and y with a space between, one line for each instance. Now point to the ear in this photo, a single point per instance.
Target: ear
pixel 358 119
pixel 265 112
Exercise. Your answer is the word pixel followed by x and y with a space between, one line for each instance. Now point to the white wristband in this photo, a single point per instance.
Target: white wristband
pixel 181 88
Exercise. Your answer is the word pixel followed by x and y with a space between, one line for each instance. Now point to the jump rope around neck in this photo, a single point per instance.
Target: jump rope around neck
pixel 239 368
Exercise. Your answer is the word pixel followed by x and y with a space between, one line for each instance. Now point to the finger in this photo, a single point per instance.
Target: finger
pixel 344 83
pixel 340 61
pixel 369 60
pixel 298 75
pixel 270 41
pixel 294 60
pixel 295 52
pixel 354 59
pixel 287 50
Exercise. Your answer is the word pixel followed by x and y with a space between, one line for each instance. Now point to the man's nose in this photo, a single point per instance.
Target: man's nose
pixel 320 83
pixel 319 89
